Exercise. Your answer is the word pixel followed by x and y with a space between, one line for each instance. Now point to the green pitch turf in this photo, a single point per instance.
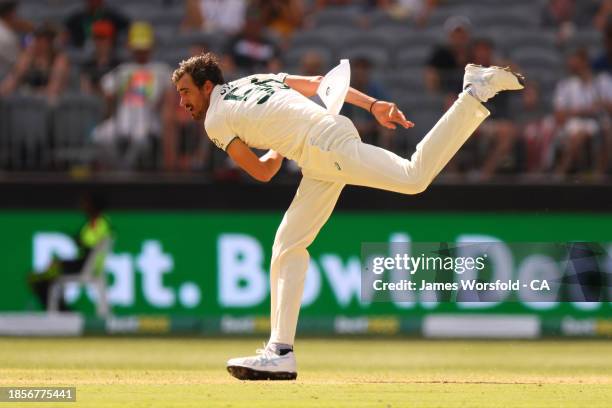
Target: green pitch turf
pixel 138 372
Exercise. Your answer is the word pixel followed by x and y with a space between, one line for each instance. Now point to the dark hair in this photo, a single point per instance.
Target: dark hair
pixel 487 42
pixel 580 52
pixel 7 7
pixel 202 68
pixel 45 30
pixel 93 203
pixel 608 28
pixel 362 61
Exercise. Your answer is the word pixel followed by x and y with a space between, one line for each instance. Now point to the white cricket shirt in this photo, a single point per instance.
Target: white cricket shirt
pixel 263 112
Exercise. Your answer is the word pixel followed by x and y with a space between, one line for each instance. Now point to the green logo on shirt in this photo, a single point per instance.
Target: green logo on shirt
pixel 266 87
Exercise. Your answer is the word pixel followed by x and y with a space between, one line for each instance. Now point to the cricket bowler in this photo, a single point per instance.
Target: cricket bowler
pixel 273 111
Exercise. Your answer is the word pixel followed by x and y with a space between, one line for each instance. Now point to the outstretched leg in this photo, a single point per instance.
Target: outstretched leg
pixel 350 161
pixel 354 162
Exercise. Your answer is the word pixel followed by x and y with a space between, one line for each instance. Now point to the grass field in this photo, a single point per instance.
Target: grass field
pixel 138 372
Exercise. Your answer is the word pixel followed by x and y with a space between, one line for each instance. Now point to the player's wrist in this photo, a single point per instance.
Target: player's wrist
pixel 372 105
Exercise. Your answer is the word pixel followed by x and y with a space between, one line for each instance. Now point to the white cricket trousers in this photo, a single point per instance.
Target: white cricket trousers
pixel 340 158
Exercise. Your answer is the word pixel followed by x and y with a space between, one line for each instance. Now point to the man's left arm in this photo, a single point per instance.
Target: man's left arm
pixel 386 113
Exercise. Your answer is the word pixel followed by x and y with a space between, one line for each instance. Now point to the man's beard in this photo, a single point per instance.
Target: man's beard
pixel 198 115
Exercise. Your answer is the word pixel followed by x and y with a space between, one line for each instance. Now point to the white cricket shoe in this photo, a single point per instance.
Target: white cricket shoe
pixel 486 82
pixel 266 365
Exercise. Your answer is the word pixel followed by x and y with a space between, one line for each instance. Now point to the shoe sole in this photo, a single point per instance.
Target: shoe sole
pixel 245 373
pixel 519 77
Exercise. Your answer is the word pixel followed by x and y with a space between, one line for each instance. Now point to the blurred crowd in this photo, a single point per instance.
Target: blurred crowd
pixel 85 84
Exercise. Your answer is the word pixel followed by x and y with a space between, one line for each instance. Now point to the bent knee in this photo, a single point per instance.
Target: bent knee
pixel 418 189
pixel 417 186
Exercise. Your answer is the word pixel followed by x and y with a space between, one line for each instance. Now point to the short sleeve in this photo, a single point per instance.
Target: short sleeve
pixel 164 73
pixel 220 134
pixel 560 96
pixel 108 83
pixel 281 76
pixel 441 58
pixel 604 85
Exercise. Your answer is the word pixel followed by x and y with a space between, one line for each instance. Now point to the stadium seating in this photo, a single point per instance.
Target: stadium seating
pixel 293 56
pixel 397 47
pixel 414 55
pixel 337 17
pixel 542 58
pixel 25 131
pixel 74 118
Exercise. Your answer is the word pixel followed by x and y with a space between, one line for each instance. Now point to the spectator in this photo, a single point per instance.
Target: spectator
pixel 603 15
pixel 583 104
pixel 312 64
pixel 281 17
pixel 321 4
pixel 140 90
pixel 79 24
pixel 41 67
pixel 9 36
pixel 417 10
pixel 564 16
pixel 251 51
pixel 603 63
pixel 184 146
pixel 497 135
pixel 361 78
pixel 104 58
pixel 95 230
pixel 556 13
pixel 445 65
pixel 538 129
pixel 225 16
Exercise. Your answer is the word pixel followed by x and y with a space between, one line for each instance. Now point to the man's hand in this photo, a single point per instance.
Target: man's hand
pixel 389 116
pixel 273 161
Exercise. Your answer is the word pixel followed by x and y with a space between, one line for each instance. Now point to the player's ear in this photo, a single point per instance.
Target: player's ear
pixel 208 86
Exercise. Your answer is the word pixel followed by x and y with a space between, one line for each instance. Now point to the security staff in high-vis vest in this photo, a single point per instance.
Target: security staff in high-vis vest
pixel 95 230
